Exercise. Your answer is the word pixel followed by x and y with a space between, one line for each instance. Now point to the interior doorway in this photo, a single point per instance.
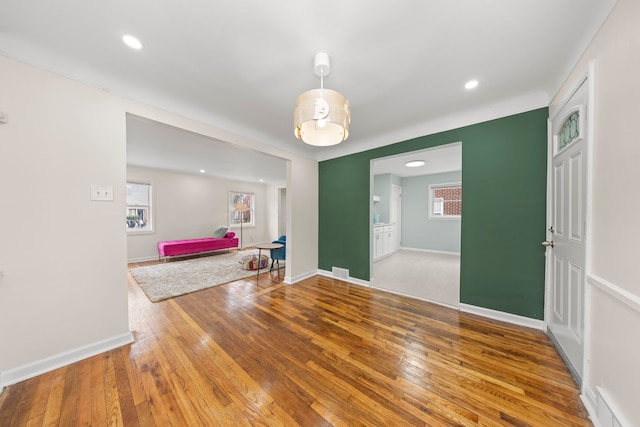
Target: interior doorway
pixel 193 176
pixel 425 258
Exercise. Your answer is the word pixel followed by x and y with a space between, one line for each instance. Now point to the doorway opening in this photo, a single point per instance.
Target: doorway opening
pixel 415 252
pixel 193 177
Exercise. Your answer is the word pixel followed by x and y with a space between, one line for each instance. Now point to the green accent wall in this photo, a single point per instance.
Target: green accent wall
pixel 503 211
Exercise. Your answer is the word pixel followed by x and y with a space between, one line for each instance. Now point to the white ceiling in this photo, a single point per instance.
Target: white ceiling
pixel 239 65
pixel 447 158
pixel 160 146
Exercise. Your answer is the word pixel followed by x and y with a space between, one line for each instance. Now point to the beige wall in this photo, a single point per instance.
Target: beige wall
pixel 63 256
pixel 613 308
pixel 302 219
pixel 63 295
pixel 193 206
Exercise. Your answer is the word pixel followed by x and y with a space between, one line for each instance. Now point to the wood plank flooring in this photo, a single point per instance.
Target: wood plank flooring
pixel 318 353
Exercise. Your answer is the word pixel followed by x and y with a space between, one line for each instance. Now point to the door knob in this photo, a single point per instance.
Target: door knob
pixel 547 243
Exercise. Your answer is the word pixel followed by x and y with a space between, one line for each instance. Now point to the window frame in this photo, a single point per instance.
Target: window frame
pixel 233 199
pixel 433 202
pixel 149 207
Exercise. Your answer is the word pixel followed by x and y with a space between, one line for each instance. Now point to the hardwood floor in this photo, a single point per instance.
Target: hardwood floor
pixel 318 353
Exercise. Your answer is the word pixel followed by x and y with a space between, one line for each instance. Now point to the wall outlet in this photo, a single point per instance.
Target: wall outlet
pixel 102 192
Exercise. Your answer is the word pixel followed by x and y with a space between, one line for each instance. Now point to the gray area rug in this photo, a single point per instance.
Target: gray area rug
pixel 175 278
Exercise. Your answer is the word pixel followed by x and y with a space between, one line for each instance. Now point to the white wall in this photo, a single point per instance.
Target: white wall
pixel 64 288
pixel 63 295
pixel 613 307
pixel 193 206
pixel 302 219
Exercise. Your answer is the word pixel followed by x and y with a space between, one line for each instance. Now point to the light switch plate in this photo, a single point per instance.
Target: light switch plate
pixel 102 192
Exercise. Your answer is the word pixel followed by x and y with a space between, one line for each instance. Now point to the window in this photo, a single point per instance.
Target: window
pixel 445 201
pixel 139 207
pixel 241 209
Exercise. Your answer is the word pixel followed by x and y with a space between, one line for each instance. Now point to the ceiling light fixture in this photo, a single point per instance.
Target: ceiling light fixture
pixel 132 41
pixel 471 84
pixel 414 163
pixel 322 116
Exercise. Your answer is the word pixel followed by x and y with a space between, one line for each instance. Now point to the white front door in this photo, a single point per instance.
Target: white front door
pixel 566 244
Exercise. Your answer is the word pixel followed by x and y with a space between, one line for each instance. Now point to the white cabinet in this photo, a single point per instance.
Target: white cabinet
pixel 383 237
pixel 377 242
pixel 387 239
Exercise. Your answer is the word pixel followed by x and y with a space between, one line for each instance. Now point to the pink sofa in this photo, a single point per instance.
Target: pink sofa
pixel 195 246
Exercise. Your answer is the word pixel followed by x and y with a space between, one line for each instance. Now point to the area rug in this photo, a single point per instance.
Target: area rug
pixel 170 279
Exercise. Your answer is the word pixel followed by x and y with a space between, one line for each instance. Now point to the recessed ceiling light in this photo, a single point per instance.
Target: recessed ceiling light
pixel 471 84
pixel 202 171
pixel 132 41
pixel 261 180
pixel 414 163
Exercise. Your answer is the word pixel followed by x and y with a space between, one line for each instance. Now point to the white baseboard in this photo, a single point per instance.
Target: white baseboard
pixel 347 278
pixel 143 259
pixel 431 251
pixel 504 317
pixel 589 400
pixel 295 279
pixel 48 364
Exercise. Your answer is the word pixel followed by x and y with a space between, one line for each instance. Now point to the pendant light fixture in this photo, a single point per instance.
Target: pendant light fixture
pixel 322 116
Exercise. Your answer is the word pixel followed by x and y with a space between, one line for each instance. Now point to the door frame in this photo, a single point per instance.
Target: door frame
pixel 588 78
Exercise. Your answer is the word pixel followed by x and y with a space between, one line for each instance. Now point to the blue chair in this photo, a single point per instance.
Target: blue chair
pixel 278 254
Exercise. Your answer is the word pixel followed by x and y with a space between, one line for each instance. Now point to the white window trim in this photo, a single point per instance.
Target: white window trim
pixel 433 187
pixel 151 228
